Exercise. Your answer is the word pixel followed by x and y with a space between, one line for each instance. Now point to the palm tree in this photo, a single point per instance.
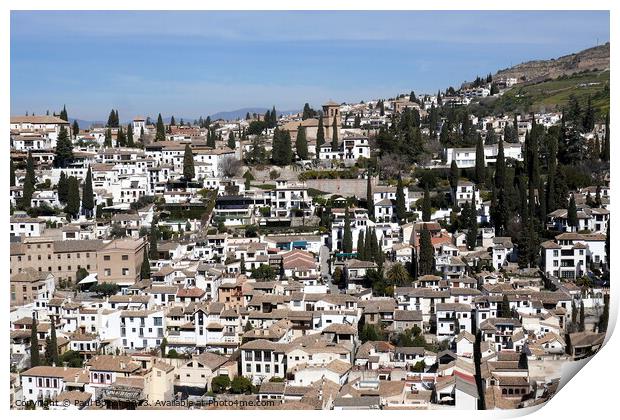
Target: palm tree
pixel 398 275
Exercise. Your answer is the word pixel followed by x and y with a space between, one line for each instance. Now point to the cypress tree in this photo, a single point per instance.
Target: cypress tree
pixel 188 164
pixel 426 264
pixel 34 343
pixel 401 209
pixel 588 116
pixel 130 141
pixel 360 246
pixel 604 319
pixel 572 214
pixel 368 246
pixel 472 227
pixel 29 183
pixel 505 310
pixel 301 143
pixel 426 206
pixel 377 249
pixel 160 133
pixel 370 203
pixel 500 166
pixel 153 237
pixel 242 269
pixel 145 268
pixel 53 343
pixel 347 237
pixel 582 317
pixel 172 121
pixel 480 166
pixel 64 149
pixel 63 188
pixel 320 135
pixel 455 174
pixel 73 199
pixel 75 129
pixel 111 119
pixel 88 199
pixel 63 114
pixel 605 153
pixel 542 202
pixel 231 140
pixel 335 135
pixel 107 141
pixel 120 138
pixel 12 173
pixel 287 148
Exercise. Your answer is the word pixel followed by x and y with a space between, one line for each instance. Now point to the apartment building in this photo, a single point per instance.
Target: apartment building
pixel 119 261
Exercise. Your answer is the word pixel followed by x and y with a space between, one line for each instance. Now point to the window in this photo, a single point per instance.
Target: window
pixel 106 258
pixel 107 272
pixel 125 257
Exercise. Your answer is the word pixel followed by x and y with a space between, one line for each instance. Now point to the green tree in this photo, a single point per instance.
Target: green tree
pixel 220 384
pixel 188 164
pixel 505 308
pixel 88 197
pixel 162 347
pixel 500 166
pixel 153 238
pixel 338 278
pixel 370 203
pixel 160 132
pixel 320 135
pixel 242 268
pixel 360 246
pixel 480 165
pixel 113 119
pixel 604 319
pixel 12 174
pixel 426 264
pixel 107 140
pixel 426 206
pixel 121 139
pixel 455 174
pixel 232 143
pixel 240 385
pixel 301 143
pixel 582 317
pixel 75 129
pixel 401 209
pixel 73 199
pixel 398 275
pixel 472 226
pixel 335 145
pixel 573 221
pixel 130 140
pixel 105 289
pixel 53 352
pixel 80 274
pixel 347 237
pixel 29 182
pixel 264 272
pixel 34 343
pixel 64 149
pixel 145 268
pixel 606 144
pixel 63 188
pixel 63 114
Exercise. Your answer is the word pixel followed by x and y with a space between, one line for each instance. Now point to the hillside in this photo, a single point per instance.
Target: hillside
pixel 591 59
pixel 552 95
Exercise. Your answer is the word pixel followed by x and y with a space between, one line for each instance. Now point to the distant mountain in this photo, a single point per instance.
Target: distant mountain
pixel 595 58
pixel 241 113
pixel 85 124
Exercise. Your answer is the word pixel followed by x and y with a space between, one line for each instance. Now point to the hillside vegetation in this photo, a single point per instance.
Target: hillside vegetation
pixel 553 94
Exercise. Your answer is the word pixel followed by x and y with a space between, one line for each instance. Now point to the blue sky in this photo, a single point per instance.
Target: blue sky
pixel 197 63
